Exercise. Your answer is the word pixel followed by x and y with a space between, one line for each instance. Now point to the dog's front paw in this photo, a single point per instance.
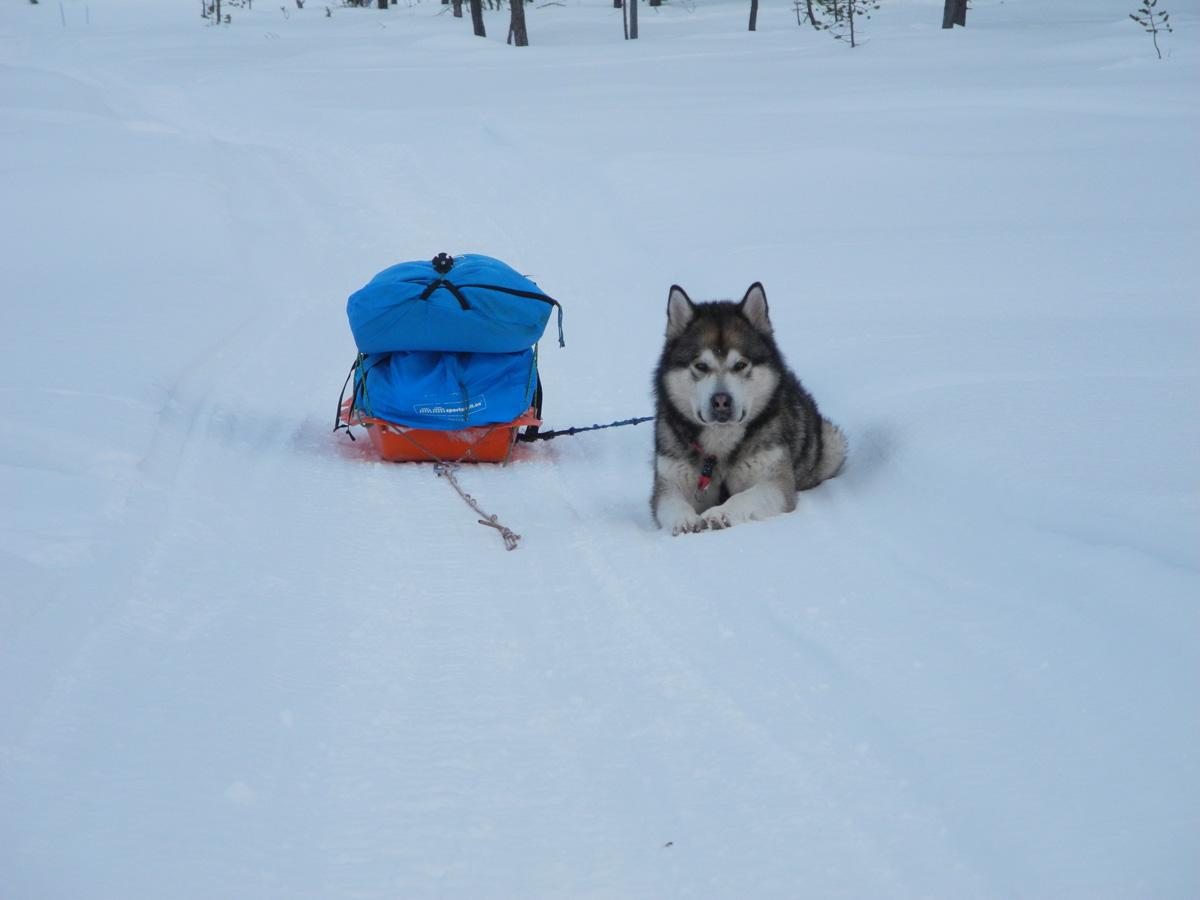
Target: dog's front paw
pixel 715 520
pixel 689 524
pixel 694 524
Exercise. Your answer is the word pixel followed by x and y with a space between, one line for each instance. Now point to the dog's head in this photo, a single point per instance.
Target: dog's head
pixel 720 365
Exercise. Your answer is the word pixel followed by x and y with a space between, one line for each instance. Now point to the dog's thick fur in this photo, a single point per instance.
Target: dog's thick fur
pixel 727 402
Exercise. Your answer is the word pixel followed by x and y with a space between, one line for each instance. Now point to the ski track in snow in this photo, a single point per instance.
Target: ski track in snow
pixel 241 657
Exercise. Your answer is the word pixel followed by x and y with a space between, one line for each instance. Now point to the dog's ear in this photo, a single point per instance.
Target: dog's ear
pixel 754 308
pixel 680 311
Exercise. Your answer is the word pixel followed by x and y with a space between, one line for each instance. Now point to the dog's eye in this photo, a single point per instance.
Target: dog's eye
pixel 701 367
pixel 740 366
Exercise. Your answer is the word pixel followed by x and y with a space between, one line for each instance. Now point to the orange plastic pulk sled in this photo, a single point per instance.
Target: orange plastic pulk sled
pixel 440 337
pixel 399 443
pixel 432 336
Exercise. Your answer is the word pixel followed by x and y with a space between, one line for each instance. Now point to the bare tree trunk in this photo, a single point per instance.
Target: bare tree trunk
pixel 633 19
pixel 516 28
pixel 812 17
pixel 753 15
pixel 477 17
pixel 457 4
pixel 954 13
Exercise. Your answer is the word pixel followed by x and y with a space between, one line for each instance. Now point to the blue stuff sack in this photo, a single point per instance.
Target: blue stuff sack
pixel 445 391
pixel 469 303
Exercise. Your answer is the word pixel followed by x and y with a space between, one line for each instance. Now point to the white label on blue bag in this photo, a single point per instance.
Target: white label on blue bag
pixel 444 411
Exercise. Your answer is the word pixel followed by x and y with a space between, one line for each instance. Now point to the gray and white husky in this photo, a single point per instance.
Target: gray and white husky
pixel 736 435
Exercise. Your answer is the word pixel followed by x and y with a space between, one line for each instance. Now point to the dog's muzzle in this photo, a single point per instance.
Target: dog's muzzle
pixel 721 407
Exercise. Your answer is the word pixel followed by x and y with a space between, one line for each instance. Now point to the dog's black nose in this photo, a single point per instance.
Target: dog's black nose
pixel 722 407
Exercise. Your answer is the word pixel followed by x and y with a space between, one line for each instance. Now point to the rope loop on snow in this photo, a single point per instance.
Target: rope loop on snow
pixel 446 470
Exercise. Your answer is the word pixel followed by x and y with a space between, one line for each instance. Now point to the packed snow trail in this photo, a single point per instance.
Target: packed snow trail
pixel 241 657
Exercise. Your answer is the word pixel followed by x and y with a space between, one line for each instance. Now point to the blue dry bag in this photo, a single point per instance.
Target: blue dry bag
pixel 469 303
pixel 445 391
pixel 447 344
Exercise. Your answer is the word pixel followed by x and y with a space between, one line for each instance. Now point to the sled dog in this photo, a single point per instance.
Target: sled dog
pixel 735 435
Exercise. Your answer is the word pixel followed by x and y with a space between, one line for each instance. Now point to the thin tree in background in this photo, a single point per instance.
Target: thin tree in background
pixel 954 13
pixel 844 12
pixel 753 15
pixel 808 14
pixel 633 4
pixel 1153 21
pixel 516 27
pixel 477 18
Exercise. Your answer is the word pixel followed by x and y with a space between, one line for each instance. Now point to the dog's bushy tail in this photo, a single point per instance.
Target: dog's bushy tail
pixel 833 451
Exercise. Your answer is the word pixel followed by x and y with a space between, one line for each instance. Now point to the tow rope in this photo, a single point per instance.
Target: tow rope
pixel 549 435
pixel 446 470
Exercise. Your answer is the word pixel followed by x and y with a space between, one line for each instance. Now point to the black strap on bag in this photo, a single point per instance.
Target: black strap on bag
pixel 530 433
pixel 444 262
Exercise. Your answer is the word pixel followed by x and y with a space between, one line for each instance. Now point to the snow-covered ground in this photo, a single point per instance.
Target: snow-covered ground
pixel 241 658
